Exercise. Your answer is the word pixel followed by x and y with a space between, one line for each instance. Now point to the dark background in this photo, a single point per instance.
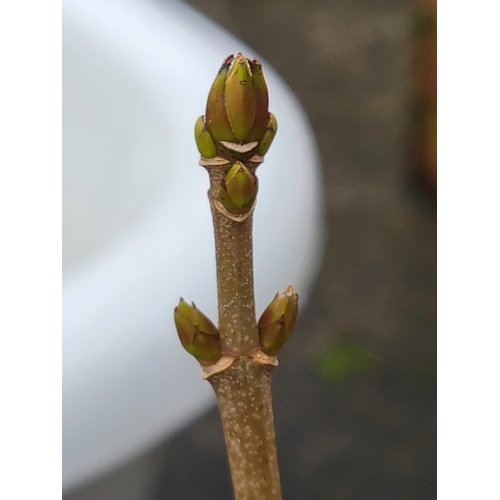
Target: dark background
pixel 355 394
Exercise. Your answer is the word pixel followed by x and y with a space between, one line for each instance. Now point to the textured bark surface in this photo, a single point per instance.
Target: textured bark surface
pixel 244 396
pixel 244 389
pixel 235 288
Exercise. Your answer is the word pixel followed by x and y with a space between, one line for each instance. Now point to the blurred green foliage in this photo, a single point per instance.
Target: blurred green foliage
pixel 348 359
pixel 344 360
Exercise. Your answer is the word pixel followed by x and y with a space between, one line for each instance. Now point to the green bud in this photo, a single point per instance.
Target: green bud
pixel 198 335
pixel 240 98
pixel 238 189
pixel 204 141
pixel 268 137
pixel 238 103
pixel 278 320
pixel 216 119
pixel 261 102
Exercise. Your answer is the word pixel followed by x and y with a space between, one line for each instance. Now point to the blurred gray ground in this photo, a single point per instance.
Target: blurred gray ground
pixel 355 394
pixel 372 435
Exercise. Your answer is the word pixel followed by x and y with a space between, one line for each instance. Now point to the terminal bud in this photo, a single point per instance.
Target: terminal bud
pixel 238 103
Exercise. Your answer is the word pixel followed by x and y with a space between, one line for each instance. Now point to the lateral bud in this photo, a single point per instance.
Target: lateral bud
pixel 198 335
pixel 204 142
pixel 268 136
pixel 278 320
pixel 238 189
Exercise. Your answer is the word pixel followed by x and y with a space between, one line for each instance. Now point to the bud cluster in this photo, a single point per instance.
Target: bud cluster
pixel 237 123
pixel 237 131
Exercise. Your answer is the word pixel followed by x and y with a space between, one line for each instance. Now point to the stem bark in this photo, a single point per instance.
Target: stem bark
pixel 244 389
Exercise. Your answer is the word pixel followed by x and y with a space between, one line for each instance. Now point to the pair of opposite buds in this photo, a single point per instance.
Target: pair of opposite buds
pixel 200 337
pixel 237 112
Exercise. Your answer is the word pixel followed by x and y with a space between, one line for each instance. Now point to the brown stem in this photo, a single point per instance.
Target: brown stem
pixel 235 290
pixel 244 389
pixel 244 397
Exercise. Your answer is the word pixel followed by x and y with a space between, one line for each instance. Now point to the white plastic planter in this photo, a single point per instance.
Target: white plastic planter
pixel 137 227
